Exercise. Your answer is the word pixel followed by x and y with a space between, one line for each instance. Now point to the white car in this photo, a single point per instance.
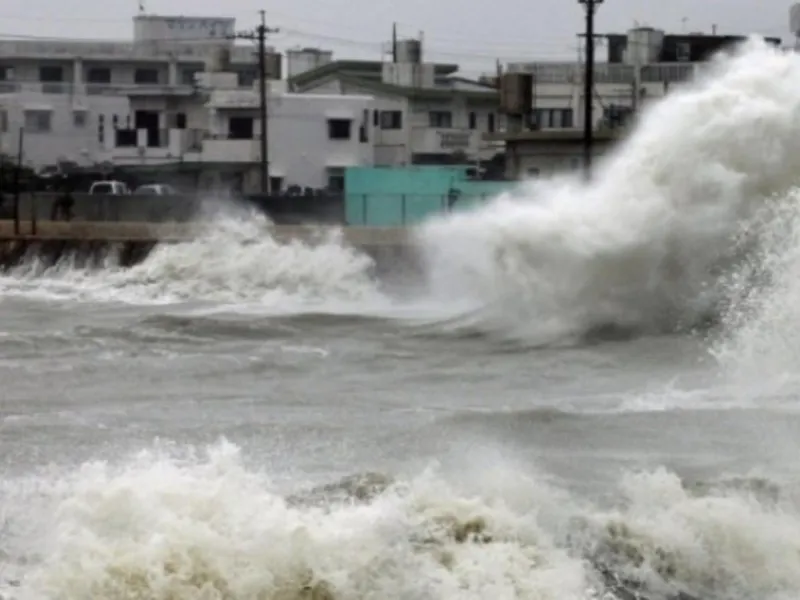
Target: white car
pixel 110 188
pixel 155 189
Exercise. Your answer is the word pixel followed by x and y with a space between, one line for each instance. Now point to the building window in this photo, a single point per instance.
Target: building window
pixel 339 129
pixel 98 75
pixel 188 76
pixel 554 118
pixel 51 74
pixel 180 121
pixel 115 122
pixel 336 179
pixel 391 119
pixel 6 73
pixel 246 79
pixel 38 121
pixel 441 119
pixel 363 130
pixel 541 118
pixel 616 116
pixel 490 123
pixel 473 120
pixel 683 52
pixel 3 121
pixel 275 184
pixel 101 120
pixel 376 118
pixel 145 76
pixel 79 119
pixel 240 128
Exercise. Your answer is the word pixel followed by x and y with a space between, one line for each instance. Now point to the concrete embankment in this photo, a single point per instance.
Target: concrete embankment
pixel 90 242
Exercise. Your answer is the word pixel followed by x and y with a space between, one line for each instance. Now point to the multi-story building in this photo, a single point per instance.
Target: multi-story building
pixel 66 95
pixel 212 136
pixel 641 66
pixel 425 113
pixel 326 116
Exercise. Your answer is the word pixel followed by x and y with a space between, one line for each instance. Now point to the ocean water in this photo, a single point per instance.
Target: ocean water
pixel 592 393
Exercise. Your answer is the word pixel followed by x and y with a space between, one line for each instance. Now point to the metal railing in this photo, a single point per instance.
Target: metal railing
pixel 27 209
pixel 616 73
pixel 162 51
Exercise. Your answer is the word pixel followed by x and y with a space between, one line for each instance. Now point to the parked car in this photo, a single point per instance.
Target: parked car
pixel 110 188
pixel 155 189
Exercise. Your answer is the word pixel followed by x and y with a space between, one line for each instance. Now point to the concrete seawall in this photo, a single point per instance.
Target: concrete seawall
pixel 90 242
pixel 88 231
pixel 328 209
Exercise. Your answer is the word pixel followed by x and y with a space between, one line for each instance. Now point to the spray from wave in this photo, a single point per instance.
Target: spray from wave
pixel 759 339
pixel 235 259
pixel 642 247
pixel 203 525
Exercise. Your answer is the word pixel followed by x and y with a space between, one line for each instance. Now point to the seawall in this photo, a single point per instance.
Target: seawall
pixel 89 243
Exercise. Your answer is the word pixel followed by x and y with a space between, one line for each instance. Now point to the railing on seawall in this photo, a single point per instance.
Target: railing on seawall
pixel 31 207
pixel 334 209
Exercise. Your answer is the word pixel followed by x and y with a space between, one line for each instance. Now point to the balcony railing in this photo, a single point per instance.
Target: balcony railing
pixel 572 73
pixel 120 51
pixel 178 141
pixel 90 89
pixel 427 139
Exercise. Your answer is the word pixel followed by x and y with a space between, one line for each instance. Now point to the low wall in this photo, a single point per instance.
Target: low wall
pixel 178 232
pixel 89 243
pixel 180 208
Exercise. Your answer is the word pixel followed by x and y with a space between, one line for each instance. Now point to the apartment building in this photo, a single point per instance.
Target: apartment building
pixel 213 135
pixel 640 66
pixel 424 113
pixel 65 96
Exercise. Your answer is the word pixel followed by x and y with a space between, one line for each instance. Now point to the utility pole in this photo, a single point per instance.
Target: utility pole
pixel 588 86
pixel 260 35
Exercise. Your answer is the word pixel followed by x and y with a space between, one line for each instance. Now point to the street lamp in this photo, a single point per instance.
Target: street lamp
pixel 588 85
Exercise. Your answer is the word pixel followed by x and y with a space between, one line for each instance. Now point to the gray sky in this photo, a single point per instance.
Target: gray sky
pixel 506 29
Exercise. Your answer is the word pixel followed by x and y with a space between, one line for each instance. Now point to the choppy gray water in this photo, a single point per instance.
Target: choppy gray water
pixel 241 419
pixel 232 409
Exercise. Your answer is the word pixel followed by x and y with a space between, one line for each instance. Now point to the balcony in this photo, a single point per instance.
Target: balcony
pixel 119 51
pixel 615 73
pixel 437 140
pixel 138 146
pixel 224 149
pixel 94 89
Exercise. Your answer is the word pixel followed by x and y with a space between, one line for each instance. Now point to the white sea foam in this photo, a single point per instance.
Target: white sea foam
pixel 205 526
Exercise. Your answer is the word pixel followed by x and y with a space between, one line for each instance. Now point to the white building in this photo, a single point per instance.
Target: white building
pixel 215 133
pixel 67 94
pixel 424 114
pixel 641 66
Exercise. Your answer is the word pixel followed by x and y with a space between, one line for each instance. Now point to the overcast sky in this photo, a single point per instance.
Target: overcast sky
pixel 509 30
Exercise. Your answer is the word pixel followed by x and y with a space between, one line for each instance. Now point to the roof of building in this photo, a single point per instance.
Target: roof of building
pixel 417 92
pixel 358 68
